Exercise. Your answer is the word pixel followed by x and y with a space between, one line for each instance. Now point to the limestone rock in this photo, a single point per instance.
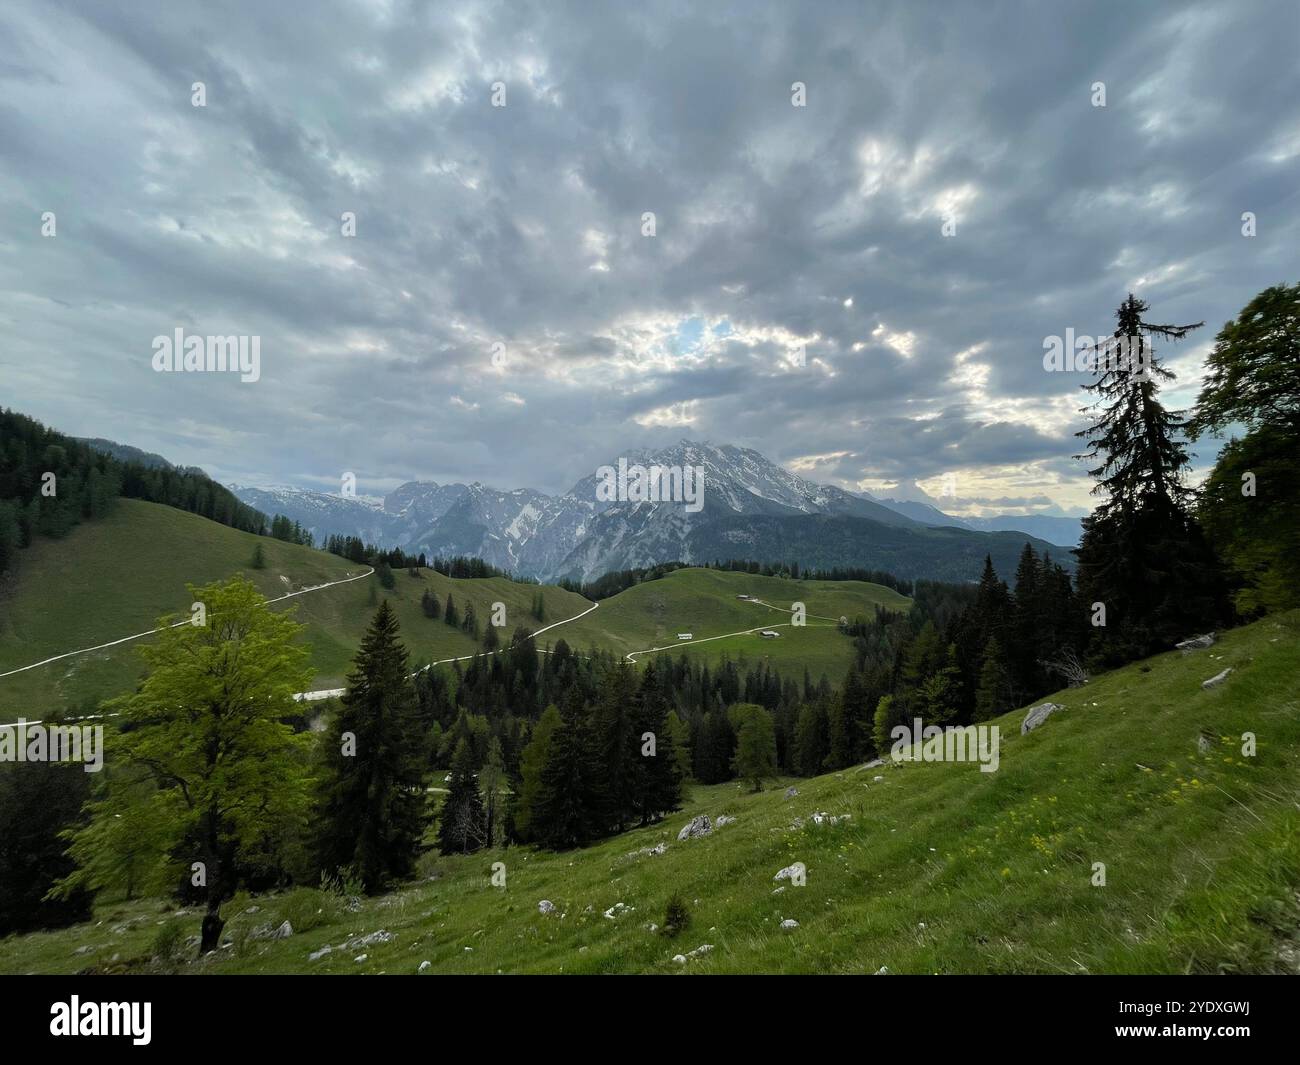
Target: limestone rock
pixel 1037 715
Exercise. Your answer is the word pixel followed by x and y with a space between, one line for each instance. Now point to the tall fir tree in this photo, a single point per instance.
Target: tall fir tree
pixel 1142 556
pixel 373 799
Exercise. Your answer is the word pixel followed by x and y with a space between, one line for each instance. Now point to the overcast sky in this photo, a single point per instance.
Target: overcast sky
pixel 776 226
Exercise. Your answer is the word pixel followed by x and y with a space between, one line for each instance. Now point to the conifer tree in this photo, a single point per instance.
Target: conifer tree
pixel 532 761
pixel 462 826
pixel 566 810
pixel 657 776
pixel 1142 555
pixel 373 800
pixel 993 696
pixel 449 612
pixel 429 604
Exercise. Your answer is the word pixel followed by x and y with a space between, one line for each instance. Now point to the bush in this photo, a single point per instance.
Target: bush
pixel 677 916
pixel 306 908
pixel 169 943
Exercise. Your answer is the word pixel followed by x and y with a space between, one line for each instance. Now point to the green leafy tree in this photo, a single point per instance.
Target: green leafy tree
pixel 208 723
pixel 1251 501
pixel 755 758
pixel 373 800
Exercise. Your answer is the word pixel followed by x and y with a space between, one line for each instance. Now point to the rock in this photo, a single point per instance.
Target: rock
pixel 353 904
pixel 283 932
pixel 723 819
pixel 876 780
pixel 790 871
pixel 882 971
pixel 680 959
pixel 1216 680
pixel 652 927
pixel 698 826
pixel 700 951
pixel 617 910
pixel 316 955
pixel 360 958
pixel 1037 715
pixel 1196 643
pixel 789 923
pixel 83 950
pixel 367 940
pixel 1204 744
pixel 546 906
pixel 254 909
pixel 424 965
pixel 791 792
pixel 778 890
pixel 658 849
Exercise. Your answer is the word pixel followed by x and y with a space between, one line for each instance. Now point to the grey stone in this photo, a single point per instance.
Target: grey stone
pixel 698 826
pixel 1216 680
pixel 1037 715
pixel 546 906
pixel 789 923
pixel 1196 643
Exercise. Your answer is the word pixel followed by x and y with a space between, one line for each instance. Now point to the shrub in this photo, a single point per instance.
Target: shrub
pixel 677 916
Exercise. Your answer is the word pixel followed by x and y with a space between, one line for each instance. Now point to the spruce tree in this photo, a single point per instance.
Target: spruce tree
pixel 449 613
pixel 993 696
pixel 429 604
pixel 373 800
pixel 462 826
pixel 1142 555
pixel 565 812
pixel 657 776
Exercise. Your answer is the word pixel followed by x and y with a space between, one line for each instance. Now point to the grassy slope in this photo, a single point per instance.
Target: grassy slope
pixel 115 577
pixel 703 602
pixel 940 869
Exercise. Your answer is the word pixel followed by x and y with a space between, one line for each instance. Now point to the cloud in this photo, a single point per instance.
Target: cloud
pixel 798 296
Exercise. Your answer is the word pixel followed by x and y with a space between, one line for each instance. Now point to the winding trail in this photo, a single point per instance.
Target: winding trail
pixel 327 693
pixel 177 625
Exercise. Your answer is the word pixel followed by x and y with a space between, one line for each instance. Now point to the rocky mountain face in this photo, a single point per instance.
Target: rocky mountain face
pixel 599 525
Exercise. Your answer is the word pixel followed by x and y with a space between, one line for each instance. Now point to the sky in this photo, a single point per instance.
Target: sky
pixel 855 278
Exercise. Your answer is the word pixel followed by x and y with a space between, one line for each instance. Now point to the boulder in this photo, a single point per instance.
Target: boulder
pixel 1216 680
pixel 316 955
pixel 698 826
pixel 1196 643
pixel 722 820
pixel 790 871
pixel 789 923
pixel 1037 715
pixel 791 792
pixel 546 906
pixel 283 932
pixel 424 965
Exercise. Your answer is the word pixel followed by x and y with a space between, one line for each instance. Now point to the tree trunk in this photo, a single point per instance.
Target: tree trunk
pixel 212 926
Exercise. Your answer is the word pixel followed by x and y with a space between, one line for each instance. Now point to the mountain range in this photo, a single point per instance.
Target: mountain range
pixel 752 508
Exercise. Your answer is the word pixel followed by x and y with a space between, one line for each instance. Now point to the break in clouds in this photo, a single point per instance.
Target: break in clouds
pixel 947 197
